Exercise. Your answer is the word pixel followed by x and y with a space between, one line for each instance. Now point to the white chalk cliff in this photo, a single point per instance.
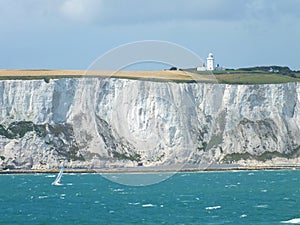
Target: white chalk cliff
pixel 110 122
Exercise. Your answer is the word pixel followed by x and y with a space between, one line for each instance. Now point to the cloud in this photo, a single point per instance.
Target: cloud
pixel 272 10
pixel 33 29
pixel 81 10
pixel 122 12
pixel 136 11
pixel 21 15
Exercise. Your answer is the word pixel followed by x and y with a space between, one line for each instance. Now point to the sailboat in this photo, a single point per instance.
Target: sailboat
pixel 58 178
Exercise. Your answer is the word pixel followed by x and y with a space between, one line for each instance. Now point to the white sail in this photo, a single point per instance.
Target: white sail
pixel 58 178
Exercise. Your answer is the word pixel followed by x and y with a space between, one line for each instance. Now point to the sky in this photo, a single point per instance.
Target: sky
pixel 71 34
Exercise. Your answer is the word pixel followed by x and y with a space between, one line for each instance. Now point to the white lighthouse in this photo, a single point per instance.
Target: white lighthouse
pixel 210 62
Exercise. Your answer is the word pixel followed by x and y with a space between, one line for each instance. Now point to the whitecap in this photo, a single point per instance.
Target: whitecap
pixel 186 201
pixel 243 216
pixel 250 174
pixel 51 176
pixel 213 207
pixel 69 184
pixel 118 190
pixel 230 185
pixel 43 196
pixel 264 190
pixel 148 205
pixel 134 203
pixel 262 206
pixel 292 221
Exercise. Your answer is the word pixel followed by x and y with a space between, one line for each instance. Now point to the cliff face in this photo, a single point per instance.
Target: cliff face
pixel 118 122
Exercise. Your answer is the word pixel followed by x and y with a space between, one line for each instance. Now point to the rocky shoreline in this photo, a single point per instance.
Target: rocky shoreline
pixel 214 168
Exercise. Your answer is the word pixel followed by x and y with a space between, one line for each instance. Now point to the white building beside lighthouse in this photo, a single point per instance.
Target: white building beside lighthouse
pixel 210 64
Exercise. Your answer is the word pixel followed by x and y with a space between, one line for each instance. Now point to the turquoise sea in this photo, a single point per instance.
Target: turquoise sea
pixel 248 197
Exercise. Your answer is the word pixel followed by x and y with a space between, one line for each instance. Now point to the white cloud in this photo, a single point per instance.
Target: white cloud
pixel 81 10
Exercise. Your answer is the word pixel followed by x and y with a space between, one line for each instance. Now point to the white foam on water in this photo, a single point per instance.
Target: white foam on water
pixel 292 221
pixel 230 185
pixel 264 190
pixel 243 216
pixel 187 201
pixel 148 205
pixel 69 184
pixel 261 206
pixel 134 203
pixel 43 196
pixel 118 190
pixel 51 176
pixel 213 207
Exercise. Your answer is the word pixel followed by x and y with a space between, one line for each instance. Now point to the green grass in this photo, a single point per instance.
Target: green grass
pixel 255 78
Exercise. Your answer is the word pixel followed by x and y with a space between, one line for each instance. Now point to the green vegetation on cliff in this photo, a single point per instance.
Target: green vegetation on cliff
pixel 255 75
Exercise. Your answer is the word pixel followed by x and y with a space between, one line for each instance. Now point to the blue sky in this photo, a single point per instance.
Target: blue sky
pixel 71 34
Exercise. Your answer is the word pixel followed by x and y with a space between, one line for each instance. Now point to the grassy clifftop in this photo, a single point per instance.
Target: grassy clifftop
pixel 256 75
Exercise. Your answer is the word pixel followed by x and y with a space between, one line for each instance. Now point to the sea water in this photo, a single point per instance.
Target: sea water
pixel 248 197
